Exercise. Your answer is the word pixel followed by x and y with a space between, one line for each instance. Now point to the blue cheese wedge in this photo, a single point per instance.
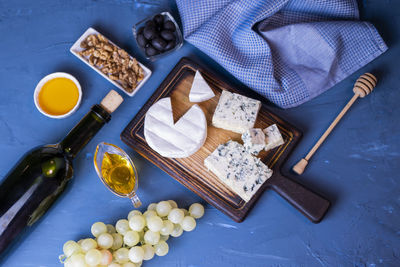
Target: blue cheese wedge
pixel 200 90
pixel 235 112
pixel 253 141
pixel 273 137
pixel 239 170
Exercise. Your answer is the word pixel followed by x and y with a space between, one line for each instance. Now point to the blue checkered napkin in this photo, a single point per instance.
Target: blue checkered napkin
pixel 299 49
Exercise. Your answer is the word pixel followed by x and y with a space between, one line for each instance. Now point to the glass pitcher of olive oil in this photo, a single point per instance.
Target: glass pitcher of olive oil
pixel 117 171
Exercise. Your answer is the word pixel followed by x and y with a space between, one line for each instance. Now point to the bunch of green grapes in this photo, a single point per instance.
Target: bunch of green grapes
pixel 132 240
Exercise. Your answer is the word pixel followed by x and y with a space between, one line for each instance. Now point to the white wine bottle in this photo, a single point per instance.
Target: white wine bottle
pixel 40 176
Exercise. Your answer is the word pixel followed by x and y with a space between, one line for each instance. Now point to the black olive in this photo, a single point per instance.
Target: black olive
pixel 150 23
pixel 141 40
pixel 169 25
pixel 158 19
pixel 149 32
pixel 159 43
pixel 167 35
pixel 140 30
pixel 170 45
pixel 147 45
pixel 151 51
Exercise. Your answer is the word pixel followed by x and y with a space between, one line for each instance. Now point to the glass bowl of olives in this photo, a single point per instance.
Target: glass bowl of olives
pixel 158 35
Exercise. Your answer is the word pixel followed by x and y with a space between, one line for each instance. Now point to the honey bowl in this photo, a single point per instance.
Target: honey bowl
pixel 58 95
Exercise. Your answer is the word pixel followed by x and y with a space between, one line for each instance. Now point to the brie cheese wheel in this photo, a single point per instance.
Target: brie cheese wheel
pixel 178 140
pixel 200 90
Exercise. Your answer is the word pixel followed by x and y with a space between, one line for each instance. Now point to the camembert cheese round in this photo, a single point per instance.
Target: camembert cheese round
pixel 178 140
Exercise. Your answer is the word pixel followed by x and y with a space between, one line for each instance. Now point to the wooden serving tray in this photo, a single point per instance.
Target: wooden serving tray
pixel 191 171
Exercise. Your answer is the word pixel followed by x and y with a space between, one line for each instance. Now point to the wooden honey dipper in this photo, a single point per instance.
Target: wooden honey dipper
pixel 363 86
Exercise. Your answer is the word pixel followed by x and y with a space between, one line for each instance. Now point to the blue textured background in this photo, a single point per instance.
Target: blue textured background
pixel 357 168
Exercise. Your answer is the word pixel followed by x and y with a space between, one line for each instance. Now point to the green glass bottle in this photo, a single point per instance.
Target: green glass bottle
pixel 41 175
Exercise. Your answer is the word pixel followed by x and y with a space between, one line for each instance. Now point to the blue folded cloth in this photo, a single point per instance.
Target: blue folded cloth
pixel 289 51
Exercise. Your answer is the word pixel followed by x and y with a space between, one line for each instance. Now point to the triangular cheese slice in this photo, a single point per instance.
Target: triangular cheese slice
pixel 178 140
pixel 200 90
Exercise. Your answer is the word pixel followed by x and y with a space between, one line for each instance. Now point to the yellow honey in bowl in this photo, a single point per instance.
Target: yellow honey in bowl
pixel 58 96
pixel 118 173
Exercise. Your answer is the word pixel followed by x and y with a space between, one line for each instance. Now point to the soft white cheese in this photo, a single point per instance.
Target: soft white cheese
pixel 239 170
pixel 174 140
pixel 273 137
pixel 235 112
pixel 200 90
pixel 253 140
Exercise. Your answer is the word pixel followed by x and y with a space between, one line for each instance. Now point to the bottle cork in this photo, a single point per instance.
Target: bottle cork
pixel 111 102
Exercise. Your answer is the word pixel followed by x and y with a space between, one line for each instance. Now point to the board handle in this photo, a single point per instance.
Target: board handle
pixel 309 203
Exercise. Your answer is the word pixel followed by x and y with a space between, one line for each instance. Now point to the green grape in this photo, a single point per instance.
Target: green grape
pixel 98 228
pixel 164 237
pixel 151 237
pixel 129 264
pixel 122 226
pixel 134 212
pixel 155 223
pixel 78 260
pixel 188 223
pixel 141 236
pixel 148 252
pixel 149 213
pixel 131 238
pixel 106 257
pixel 68 263
pixel 93 257
pixel 137 222
pixel 173 204
pixel 152 206
pixel 163 208
pixel 167 227
pixel 117 241
pixel 88 244
pixel 161 249
pixel 136 254
pixel 71 247
pixel 177 230
pixel 196 210
pixel 105 240
pixel 110 229
pixel 114 264
pixel 185 211
pixel 176 215
pixel 121 255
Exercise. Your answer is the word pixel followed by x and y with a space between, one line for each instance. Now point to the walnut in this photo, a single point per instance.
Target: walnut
pixel 114 78
pixel 112 61
pixel 108 48
pixel 102 38
pixel 84 45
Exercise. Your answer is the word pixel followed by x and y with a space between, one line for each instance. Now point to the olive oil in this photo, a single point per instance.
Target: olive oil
pixel 118 173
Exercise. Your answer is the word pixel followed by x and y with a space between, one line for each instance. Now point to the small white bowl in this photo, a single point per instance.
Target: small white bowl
pixel 48 78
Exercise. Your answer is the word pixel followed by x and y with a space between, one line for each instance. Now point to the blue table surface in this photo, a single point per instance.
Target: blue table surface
pixel 357 168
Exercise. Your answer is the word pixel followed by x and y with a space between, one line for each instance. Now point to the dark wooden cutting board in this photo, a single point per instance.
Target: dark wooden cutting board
pixel 191 171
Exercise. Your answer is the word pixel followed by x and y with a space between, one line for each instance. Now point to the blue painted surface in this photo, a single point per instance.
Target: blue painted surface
pixel 357 168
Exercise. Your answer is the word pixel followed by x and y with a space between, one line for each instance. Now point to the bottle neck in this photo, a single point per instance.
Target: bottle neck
pixel 84 131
